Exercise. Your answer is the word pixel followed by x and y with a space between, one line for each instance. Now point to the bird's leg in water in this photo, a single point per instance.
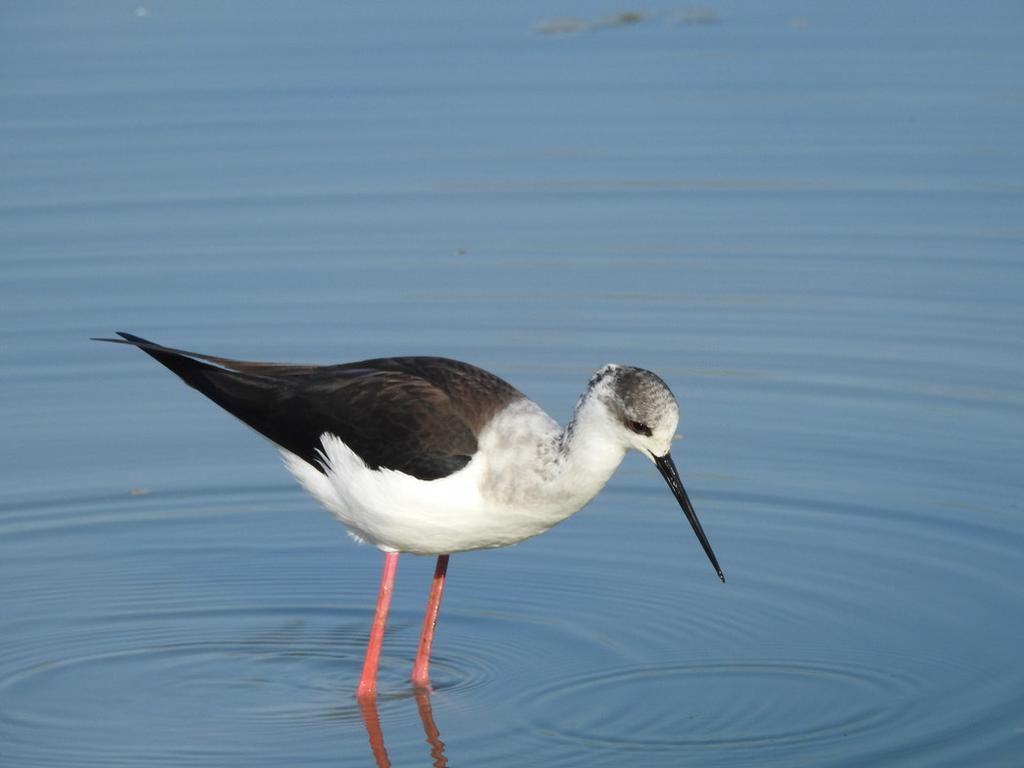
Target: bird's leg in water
pixel 368 682
pixel 420 672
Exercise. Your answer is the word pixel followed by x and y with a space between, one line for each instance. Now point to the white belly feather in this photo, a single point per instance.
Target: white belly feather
pixel 514 488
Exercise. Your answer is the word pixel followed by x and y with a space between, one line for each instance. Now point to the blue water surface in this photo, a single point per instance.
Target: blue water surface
pixel 806 217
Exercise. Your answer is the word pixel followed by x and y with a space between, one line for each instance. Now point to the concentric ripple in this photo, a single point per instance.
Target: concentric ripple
pixel 723 705
pixel 222 607
pixel 218 606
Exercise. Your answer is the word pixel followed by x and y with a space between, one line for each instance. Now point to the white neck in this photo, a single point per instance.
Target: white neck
pixel 591 451
pixel 565 469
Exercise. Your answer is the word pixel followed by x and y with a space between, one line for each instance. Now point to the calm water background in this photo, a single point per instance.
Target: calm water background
pixel 807 217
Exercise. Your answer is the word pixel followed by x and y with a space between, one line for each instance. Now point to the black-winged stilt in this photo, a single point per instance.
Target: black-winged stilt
pixel 432 456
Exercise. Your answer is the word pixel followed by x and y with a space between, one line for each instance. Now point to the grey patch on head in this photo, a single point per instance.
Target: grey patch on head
pixel 638 395
pixel 630 395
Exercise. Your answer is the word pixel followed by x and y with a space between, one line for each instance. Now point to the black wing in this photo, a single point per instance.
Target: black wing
pixel 389 415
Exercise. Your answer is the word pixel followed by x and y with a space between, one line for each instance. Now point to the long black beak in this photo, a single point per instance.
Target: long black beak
pixel 667 468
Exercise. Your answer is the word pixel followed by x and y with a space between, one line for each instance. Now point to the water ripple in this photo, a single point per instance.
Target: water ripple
pixel 217 605
pixel 723 704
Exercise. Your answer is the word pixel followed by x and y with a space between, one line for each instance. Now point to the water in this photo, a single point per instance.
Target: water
pixel 806 219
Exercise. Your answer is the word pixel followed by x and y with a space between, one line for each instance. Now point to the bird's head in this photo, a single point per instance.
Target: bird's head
pixel 641 406
pixel 644 415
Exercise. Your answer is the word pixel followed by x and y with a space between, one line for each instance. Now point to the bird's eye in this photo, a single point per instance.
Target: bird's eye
pixel 639 427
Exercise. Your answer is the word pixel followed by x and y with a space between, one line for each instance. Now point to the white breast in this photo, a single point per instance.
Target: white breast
pixel 518 484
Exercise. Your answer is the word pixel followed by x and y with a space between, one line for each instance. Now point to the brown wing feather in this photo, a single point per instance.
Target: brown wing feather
pixel 419 415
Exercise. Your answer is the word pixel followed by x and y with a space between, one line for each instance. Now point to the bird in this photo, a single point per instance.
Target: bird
pixel 432 456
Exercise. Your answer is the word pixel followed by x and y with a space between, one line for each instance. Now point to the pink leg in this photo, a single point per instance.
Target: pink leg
pixel 420 673
pixel 368 682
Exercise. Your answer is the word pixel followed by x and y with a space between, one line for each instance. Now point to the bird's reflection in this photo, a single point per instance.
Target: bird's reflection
pixel 433 737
